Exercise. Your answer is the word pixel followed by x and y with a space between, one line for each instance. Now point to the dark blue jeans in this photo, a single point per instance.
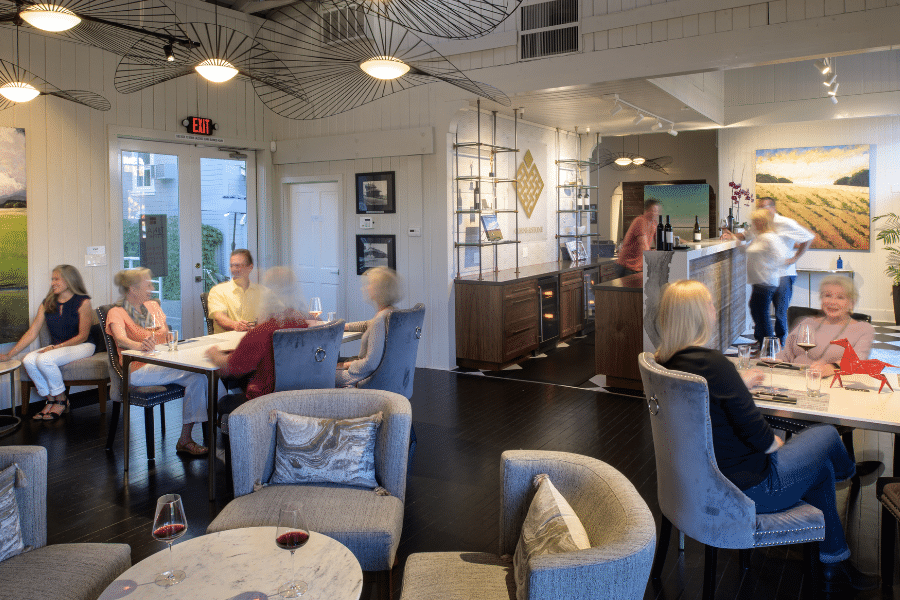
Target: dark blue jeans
pixel 782 300
pixel 760 300
pixel 805 468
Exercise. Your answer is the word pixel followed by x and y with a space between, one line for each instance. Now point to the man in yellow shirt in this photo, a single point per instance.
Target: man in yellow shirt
pixel 233 304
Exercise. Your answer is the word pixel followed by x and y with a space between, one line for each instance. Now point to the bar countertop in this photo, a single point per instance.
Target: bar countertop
pixel 629 283
pixel 531 272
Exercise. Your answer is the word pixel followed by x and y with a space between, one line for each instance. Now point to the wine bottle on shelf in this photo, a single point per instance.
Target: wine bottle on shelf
pixel 660 236
pixel 697 235
pixel 840 263
pixel 476 196
pixel 670 235
pixel 730 220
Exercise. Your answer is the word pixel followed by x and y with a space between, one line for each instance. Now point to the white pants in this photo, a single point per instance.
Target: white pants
pixel 194 406
pixel 43 368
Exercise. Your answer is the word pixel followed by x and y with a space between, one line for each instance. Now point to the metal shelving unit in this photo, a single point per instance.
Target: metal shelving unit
pixel 581 200
pixel 476 206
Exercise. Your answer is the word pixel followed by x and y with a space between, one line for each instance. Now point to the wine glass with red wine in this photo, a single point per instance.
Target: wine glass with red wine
pixel 169 524
pixel 290 535
pixel 806 338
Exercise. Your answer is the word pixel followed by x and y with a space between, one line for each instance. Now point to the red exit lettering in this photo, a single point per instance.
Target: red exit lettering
pixel 200 125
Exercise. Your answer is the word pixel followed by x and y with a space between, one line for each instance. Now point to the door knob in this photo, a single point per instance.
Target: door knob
pixel 197 266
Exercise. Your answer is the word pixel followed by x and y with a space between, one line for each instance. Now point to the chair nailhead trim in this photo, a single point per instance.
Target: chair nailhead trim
pixel 798 541
pixel 788 530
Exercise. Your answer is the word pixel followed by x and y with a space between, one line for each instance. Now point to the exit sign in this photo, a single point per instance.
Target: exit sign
pixel 199 125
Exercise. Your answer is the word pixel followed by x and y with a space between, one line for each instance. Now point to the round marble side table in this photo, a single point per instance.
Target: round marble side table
pixel 243 564
pixel 9 424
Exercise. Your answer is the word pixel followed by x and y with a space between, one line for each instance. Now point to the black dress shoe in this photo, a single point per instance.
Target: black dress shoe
pixel 867 467
pixel 842 575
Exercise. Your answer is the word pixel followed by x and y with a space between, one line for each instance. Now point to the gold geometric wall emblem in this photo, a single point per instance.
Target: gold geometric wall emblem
pixel 529 183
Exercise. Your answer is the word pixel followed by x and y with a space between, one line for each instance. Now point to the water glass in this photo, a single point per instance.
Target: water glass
pixel 768 352
pixel 813 382
pixel 743 356
pixel 172 340
pixel 332 317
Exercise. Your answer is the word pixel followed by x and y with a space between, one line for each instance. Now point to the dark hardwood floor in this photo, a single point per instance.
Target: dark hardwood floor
pixel 463 423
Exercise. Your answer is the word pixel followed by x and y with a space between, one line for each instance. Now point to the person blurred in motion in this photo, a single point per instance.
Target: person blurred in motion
pixel 767 258
pixel 638 239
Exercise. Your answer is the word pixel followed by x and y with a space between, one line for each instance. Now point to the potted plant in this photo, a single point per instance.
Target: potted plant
pixel 888 235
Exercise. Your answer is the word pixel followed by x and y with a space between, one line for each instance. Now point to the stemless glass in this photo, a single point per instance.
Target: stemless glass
pixel 315 307
pixel 290 535
pixel 169 524
pixel 806 338
pixel 771 346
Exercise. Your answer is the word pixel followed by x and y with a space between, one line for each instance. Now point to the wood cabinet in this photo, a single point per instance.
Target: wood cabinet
pixel 495 324
pixel 607 271
pixel 571 303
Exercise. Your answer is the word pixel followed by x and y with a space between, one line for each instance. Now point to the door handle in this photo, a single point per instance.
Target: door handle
pixel 338 272
pixel 197 278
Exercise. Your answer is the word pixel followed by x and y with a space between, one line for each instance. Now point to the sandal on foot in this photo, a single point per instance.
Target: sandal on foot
pixel 192 448
pixel 54 416
pixel 39 416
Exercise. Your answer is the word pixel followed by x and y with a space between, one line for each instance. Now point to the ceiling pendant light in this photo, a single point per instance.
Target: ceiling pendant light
pixel 384 67
pixel 623 161
pixel 19 91
pixel 50 17
pixel 216 70
pixel 638 160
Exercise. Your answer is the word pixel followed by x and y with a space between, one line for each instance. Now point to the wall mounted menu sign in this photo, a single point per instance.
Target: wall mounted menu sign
pixel 153 244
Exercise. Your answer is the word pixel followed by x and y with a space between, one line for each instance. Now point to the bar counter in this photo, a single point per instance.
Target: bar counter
pixel 617 339
pixel 532 272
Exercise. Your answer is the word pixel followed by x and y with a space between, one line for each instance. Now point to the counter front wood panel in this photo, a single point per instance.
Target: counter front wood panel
pixel 618 341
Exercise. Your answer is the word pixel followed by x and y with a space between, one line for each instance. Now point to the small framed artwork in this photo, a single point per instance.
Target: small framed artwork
pixel 375 193
pixel 375 251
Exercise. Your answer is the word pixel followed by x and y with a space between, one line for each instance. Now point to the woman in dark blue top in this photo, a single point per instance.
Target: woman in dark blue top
pixel 67 313
pixel 774 474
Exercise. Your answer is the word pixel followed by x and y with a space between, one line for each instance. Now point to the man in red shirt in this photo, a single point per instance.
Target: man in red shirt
pixel 640 237
pixel 254 355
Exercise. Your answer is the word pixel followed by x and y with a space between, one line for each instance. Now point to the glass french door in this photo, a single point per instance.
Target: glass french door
pixel 184 209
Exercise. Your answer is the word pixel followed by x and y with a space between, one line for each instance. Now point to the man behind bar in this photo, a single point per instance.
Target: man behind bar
pixel 639 238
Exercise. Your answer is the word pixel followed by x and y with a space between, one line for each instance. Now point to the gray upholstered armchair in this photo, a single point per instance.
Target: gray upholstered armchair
pixel 368 523
pixel 693 494
pixel 396 372
pixel 619 524
pixel 305 359
pixel 69 571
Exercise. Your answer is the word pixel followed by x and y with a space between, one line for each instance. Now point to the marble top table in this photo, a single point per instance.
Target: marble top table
pixel 10 367
pixel 243 564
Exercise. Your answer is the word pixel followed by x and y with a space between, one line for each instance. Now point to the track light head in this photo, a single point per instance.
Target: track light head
pixel 615 110
pixel 830 81
pixel 823 65
pixel 656 126
pixel 832 90
pixel 834 99
pixel 672 131
pixel 638 119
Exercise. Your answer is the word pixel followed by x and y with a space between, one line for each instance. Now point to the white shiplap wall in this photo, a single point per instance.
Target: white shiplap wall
pixel 738 147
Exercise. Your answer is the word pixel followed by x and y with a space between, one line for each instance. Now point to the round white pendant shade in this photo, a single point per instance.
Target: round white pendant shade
pixel 623 161
pixel 384 67
pixel 18 91
pixel 216 70
pixel 49 17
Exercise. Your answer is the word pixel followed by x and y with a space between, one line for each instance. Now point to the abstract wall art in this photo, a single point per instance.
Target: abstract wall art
pixel 825 189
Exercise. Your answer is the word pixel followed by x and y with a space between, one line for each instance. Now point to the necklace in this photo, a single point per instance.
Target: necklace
pixel 836 337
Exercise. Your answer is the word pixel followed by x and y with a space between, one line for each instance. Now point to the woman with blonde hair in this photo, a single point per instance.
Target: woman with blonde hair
pixel 67 312
pixel 382 286
pixel 128 323
pixel 774 474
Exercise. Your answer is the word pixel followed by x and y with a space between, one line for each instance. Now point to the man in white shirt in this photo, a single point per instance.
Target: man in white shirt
pixel 233 304
pixel 795 237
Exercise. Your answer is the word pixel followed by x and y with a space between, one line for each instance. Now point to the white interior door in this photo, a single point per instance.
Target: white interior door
pixel 315 247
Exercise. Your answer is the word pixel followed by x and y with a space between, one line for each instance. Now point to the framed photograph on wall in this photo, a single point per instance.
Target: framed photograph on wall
pixel 375 251
pixel 375 193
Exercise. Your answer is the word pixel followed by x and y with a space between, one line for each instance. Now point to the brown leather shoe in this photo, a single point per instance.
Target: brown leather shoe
pixel 192 448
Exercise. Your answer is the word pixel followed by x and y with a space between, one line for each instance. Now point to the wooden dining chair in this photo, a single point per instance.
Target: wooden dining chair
pixel 204 302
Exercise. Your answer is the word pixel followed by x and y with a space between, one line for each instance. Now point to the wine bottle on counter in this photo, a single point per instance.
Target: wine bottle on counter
pixel 730 221
pixel 660 236
pixel 670 235
pixel 697 235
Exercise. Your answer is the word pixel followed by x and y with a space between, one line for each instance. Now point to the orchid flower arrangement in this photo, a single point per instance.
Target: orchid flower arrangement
pixel 740 196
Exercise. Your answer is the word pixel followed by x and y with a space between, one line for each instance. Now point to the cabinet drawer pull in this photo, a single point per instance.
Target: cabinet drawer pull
pixel 517 332
pixel 511 302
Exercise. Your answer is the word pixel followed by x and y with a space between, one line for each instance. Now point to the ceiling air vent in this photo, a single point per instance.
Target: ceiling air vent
pixel 344 24
pixel 548 28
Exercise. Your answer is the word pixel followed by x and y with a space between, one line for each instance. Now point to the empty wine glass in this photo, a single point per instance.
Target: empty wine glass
pixel 771 346
pixel 315 307
pixel 169 524
pixel 290 535
pixel 806 338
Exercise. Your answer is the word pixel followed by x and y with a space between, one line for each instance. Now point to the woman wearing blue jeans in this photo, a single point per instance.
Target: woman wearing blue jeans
pixel 774 474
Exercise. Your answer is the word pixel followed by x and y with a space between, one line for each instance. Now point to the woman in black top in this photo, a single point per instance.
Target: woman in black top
pixel 67 313
pixel 774 474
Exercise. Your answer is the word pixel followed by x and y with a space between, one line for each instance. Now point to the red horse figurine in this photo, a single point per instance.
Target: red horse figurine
pixel 852 365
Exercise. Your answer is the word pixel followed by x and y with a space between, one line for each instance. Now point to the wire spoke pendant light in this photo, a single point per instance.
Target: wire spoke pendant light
pixel 455 19
pixel 627 161
pixel 217 53
pixel 348 60
pixel 18 85
pixel 113 25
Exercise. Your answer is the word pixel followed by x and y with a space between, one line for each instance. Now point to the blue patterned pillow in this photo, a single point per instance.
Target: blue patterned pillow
pixel 10 530
pixel 316 450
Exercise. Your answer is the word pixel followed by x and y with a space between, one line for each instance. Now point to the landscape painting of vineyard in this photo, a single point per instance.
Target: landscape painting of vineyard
pixel 825 189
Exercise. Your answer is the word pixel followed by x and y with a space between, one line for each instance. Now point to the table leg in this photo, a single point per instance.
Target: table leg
pixel 126 405
pixel 212 396
pixel 12 393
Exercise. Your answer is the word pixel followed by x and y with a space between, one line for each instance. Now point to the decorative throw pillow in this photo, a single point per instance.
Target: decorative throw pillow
pixel 550 527
pixel 315 450
pixel 10 530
